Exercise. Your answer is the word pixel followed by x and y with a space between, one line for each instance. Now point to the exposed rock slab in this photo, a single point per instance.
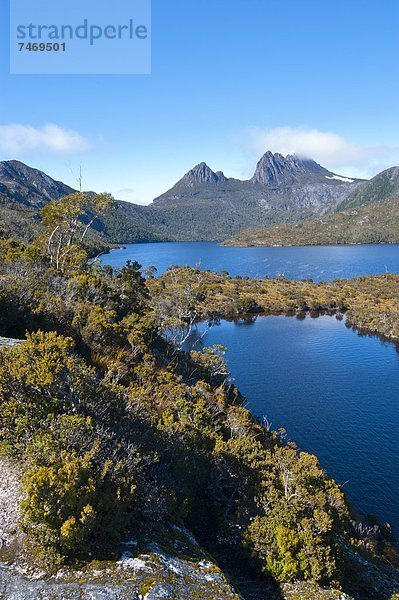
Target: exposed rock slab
pixel 9 342
pixel 10 497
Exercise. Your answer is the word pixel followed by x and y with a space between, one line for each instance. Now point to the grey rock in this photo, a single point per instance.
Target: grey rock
pixel 201 174
pixel 10 497
pixel 161 590
pixel 9 342
pixel 275 169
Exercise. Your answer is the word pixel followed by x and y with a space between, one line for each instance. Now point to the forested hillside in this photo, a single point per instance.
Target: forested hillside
pixel 372 223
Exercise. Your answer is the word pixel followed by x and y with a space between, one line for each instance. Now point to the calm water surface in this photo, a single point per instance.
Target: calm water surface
pixel 335 392
pixel 321 262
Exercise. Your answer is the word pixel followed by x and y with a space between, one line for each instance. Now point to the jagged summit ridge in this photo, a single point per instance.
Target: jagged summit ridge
pixel 276 169
pixel 201 173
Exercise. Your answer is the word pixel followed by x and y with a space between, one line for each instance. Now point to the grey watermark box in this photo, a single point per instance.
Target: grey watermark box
pixel 80 37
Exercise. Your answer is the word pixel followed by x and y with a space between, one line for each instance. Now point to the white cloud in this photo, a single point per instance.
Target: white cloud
pixel 17 139
pixel 126 190
pixel 329 149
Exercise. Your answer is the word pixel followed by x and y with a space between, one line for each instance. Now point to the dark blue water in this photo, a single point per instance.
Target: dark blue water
pixel 320 263
pixel 335 392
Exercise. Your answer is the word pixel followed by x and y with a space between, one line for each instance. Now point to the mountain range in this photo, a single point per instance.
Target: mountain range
pixel 204 204
pixel 207 205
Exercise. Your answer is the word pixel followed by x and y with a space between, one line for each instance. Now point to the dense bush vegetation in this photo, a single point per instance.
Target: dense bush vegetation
pixel 118 429
pixel 369 303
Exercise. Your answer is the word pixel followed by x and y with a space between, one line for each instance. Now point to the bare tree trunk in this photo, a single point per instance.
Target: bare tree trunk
pixel 50 242
pixel 89 224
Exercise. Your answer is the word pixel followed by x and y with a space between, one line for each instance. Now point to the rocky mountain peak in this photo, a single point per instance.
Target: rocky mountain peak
pixel 202 174
pixel 275 169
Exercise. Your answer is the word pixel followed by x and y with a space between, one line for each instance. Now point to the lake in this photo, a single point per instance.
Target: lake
pixel 334 391
pixel 318 262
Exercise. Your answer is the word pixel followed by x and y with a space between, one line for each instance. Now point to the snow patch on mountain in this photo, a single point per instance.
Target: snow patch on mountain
pixel 345 179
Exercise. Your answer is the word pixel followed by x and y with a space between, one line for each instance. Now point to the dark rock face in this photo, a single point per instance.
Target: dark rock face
pixel 22 184
pixel 201 174
pixel 275 169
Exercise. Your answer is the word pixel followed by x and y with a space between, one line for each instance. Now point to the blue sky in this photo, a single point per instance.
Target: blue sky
pixel 230 79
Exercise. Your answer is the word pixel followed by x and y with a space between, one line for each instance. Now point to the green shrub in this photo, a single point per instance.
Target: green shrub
pixel 76 499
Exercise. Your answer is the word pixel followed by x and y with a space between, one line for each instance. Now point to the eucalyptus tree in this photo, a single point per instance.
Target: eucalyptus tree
pixel 67 222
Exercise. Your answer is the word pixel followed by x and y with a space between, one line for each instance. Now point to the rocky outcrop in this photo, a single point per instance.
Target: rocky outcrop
pixel 172 567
